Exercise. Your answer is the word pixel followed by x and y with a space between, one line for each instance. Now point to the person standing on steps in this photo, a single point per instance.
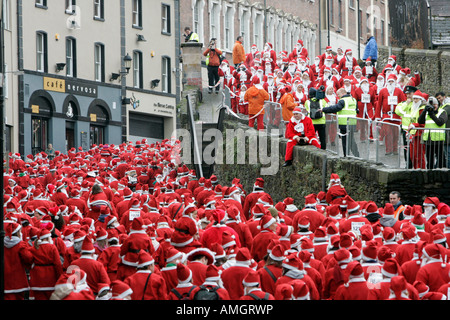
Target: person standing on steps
pixel 212 54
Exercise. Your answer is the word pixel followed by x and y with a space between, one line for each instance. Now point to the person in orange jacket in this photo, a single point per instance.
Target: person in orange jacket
pixel 255 96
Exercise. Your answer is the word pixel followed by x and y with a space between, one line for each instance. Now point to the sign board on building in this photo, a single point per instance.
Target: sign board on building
pixel 52 84
pixel 93 117
pixel 70 86
pixel 35 108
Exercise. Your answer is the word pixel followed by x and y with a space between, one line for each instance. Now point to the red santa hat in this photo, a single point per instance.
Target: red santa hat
pixel 431 201
pixel 421 288
pixel 408 231
pixel 251 279
pixel 300 290
pixel 212 273
pixel 243 256
pixel 120 290
pixel 347 51
pixel 390 268
pixel 384 253
pixel 277 253
pixel 259 183
pixel 292 262
pixel 352 206
pixel 304 222
pixel 144 259
pixel 354 270
pixel 345 240
pixel 266 221
pixel 342 256
pixel 392 77
pixel 311 200
pixel 87 246
pixel 388 234
pixel 370 250
pixel 201 252
pixel 12 228
pixel 334 179
pixel 297 110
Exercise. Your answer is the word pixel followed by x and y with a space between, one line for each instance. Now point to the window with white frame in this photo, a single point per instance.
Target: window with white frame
pixel 5 88
pixel 229 27
pixel 70 6
pixel 288 37
pixel 165 75
pixel 197 17
pixel 71 57
pixel 279 38
pixel 40 3
pixel 41 52
pixel 258 27
pixel 137 13
pixel 214 20
pixel 6 14
pixel 99 62
pixel 271 29
pixel 99 9
pixel 244 28
pixel 137 70
pixel 165 18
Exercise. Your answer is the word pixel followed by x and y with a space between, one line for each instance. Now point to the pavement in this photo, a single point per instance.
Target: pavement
pixel 208 112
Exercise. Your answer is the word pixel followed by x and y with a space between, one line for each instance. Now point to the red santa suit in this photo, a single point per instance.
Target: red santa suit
pixel 18 258
pixel 315 217
pixel 232 276
pixel 356 288
pixel 347 65
pixel 110 260
pixel 366 98
pixel 46 268
pixel 95 271
pixel 299 51
pixel 388 99
pixel 370 72
pixel 435 272
pixel 264 237
pixel 155 289
pixel 302 128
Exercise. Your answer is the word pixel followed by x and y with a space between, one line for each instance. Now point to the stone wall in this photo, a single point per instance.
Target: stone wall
pixel 364 180
pixel 434 65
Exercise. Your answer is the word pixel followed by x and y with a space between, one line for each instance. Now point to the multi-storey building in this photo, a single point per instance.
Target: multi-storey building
pixel 89 72
pixel 318 23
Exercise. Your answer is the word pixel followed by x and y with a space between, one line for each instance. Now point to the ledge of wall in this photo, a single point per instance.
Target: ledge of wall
pixel 362 179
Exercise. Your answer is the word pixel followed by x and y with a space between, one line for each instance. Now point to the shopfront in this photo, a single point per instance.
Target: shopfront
pixel 68 113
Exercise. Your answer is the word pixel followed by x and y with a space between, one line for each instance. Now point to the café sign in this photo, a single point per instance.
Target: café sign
pixel 70 86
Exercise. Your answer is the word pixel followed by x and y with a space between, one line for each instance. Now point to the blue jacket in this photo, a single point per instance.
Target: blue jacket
pixel 371 49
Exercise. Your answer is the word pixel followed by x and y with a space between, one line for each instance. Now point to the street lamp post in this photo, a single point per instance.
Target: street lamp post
pixel 127 60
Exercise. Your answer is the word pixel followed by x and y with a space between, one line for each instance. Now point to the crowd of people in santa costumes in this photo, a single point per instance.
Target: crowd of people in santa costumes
pixel 288 78
pixel 131 222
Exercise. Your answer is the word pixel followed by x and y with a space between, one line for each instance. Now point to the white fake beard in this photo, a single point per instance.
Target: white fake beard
pixel 291 69
pixel 415 106
pixel 390 87
pixel 365 87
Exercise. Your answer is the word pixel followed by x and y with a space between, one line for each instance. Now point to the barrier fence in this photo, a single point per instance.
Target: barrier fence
pixel 381 141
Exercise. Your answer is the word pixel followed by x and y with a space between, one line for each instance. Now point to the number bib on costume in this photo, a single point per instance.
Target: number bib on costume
pixel 355 227
pixel 134 214
pixel 299 127
pixel 392 100
pixel 369 70
pixel 365 98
